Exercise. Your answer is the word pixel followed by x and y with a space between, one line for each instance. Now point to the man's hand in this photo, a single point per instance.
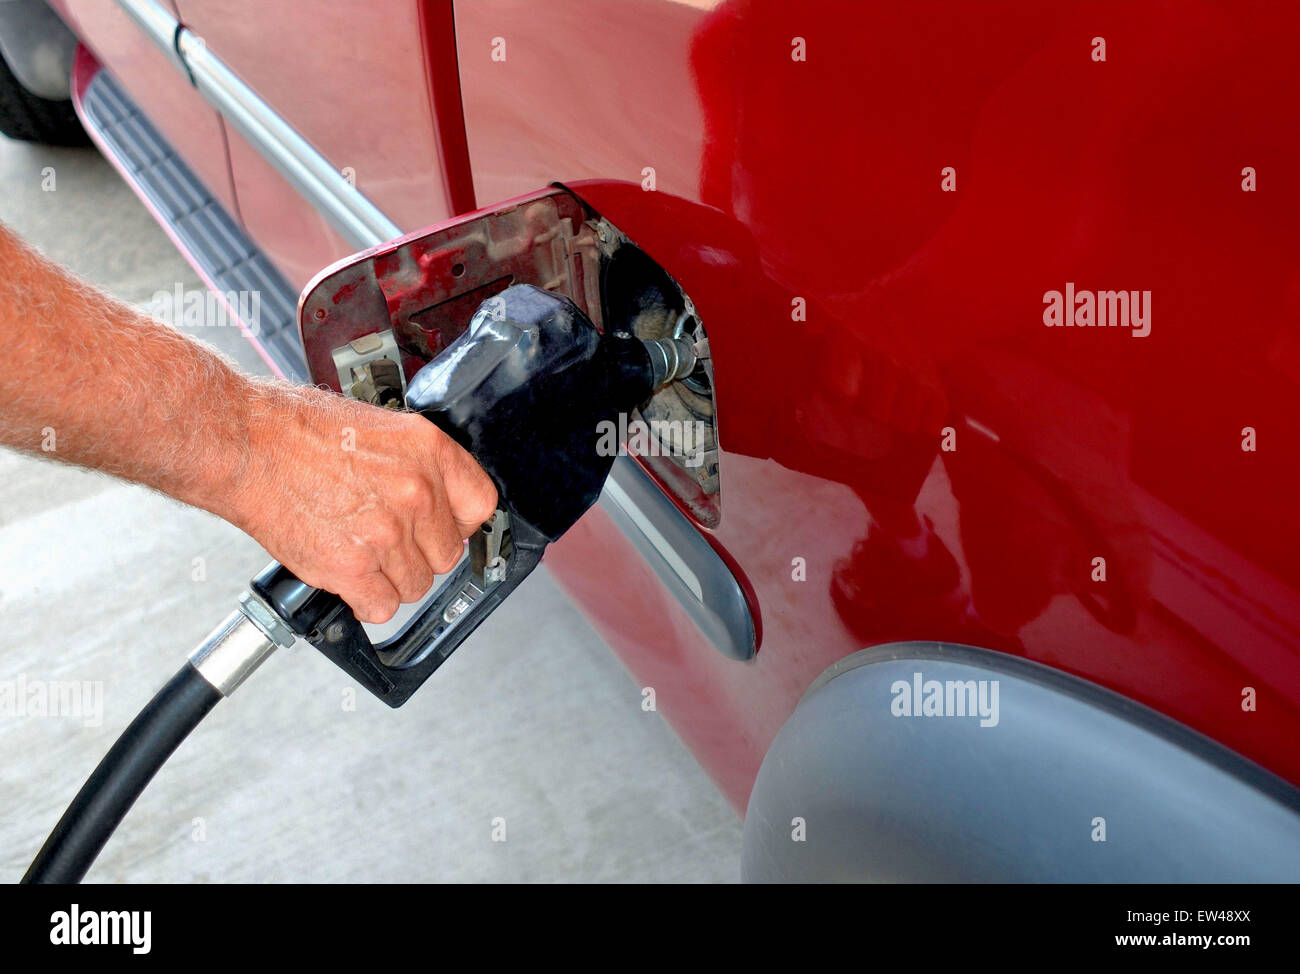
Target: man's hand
pixel 361 501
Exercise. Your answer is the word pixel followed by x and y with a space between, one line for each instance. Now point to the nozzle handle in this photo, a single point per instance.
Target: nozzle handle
pixel 526 391
pixel 396 667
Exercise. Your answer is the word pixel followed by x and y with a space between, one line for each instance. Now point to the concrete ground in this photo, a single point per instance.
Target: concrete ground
pixel 534 722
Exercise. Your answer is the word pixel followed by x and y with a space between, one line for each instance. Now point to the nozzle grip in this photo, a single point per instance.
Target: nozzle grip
pixel 394 669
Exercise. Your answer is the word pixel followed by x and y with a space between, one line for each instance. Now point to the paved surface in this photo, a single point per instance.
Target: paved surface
pixel 534 722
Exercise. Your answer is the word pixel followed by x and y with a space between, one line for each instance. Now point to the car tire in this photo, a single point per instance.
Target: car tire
pixel 30 118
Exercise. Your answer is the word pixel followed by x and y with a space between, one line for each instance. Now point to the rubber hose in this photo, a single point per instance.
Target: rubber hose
pixel 109 793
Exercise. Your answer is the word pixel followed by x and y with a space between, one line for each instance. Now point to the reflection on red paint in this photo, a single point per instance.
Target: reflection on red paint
pixel 820 180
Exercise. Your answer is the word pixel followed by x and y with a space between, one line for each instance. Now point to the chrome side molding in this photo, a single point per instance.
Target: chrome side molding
pixel 685 562
pixel 359 221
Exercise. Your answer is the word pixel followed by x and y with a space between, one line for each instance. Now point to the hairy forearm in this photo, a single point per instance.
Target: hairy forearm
pixel 362 501
pixel 92 381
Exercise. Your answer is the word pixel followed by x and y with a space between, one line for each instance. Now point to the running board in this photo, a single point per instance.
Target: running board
pixel 205 233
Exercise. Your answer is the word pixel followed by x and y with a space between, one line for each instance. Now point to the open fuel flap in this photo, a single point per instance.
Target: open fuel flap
pixel 372 321
pixel 407 300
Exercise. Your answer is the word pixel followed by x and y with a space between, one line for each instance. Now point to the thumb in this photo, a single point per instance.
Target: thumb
pixel 471 495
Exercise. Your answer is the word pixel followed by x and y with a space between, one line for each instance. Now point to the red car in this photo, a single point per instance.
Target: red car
pixel 982 567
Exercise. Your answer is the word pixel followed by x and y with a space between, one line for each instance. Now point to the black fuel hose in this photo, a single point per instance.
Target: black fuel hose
pixel 112 789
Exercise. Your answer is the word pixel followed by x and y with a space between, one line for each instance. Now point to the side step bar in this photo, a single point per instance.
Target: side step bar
pixel 204 232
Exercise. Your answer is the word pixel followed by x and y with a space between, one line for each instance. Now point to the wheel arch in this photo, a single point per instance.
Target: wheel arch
pixel 1072 782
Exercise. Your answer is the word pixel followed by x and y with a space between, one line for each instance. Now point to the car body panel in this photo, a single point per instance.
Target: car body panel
pixel 821 179
pixel 381 133
pixel 296 236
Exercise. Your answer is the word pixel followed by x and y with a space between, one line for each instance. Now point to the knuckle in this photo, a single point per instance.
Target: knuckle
pixel 354 562
pixel 414 587
pixel 486 502
pixel 385 531
pixel 415 581
pixel 412 492
pixel 447 558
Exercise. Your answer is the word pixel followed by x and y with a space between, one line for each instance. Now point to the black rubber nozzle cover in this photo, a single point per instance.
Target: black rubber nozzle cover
pixel 526 390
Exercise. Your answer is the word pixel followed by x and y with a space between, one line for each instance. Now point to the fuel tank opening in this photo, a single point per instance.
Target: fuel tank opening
pixel 640 298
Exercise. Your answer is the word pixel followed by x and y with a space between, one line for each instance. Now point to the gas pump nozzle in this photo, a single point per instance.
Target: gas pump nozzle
pixel 526 391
